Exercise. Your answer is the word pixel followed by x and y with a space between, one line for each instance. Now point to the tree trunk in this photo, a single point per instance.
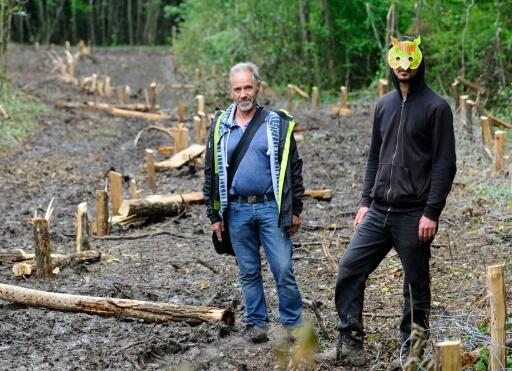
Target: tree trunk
pixel 73 21
pixel 92 36
pixel 139 21
pixel 130 22
pixel 304 30
pixel 330 43
pixel 149 311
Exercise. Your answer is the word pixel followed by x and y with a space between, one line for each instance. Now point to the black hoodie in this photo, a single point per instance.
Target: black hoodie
pixel 411 164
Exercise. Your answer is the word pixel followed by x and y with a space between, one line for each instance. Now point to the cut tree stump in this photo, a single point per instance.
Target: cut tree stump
pixel 160 205
pixel 150 166
pixel 82 233
pixel 200 103
pixel 498 316
pixel 448 355
pixel 134 193
pixel 383 87
pixel 149 311
pixel 116 190
pixel 42 247
pixel 101 213
pixel 314 100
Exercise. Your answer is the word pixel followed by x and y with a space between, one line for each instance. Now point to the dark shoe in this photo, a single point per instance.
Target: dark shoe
pixel 255 334
pixel 345 353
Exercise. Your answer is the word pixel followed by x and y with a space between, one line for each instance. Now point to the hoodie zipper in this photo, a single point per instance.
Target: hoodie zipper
pixel 394 153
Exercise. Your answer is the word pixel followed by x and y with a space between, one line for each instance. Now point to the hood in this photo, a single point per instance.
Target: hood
pixel 417 83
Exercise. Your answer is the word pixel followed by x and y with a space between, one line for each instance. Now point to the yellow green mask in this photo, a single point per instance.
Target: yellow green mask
pixel 405 54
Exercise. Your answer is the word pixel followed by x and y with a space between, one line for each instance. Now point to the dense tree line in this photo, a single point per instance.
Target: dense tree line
pixel 333 42
pixel 308 42
pixel 103 22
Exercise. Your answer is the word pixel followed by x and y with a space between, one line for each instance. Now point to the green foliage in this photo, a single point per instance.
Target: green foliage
pixel 483 361
pixel 332 42
pixel 483 328
pixel 21 110
pixel 321 42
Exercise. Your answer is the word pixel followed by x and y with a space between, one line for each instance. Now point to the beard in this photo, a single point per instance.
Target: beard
pixel 245 105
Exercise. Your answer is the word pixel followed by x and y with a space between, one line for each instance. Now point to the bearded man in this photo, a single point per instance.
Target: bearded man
pixel 256 191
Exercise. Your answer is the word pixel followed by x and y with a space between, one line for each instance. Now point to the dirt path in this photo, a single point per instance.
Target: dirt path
pixel 67 158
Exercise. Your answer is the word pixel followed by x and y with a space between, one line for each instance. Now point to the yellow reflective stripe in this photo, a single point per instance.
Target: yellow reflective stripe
pixel 284 160
pixel 216 137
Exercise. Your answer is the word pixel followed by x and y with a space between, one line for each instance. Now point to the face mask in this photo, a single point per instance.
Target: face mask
pixel 405 54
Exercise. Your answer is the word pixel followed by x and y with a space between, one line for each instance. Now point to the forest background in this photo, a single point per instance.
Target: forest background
pixel 323 43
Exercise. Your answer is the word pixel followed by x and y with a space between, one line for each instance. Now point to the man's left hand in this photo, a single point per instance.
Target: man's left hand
pixel 427 229
pixel 295 225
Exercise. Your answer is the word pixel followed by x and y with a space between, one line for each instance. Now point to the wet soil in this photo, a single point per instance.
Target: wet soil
pixel 67 158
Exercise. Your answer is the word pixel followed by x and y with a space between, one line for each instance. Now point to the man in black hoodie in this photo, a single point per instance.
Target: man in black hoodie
pixel 410 170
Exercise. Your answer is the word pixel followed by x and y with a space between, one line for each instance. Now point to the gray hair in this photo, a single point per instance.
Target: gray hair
pixel 246 66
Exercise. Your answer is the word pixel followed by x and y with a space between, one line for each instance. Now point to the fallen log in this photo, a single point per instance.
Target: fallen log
pixel 18 255
pixel 181 158
pixel 125 220
pixel 471 85
pixel 160 205
pixel 14 255
pixel 301 92
pixel 136 107
pixel 174 204
pixel 149 311
pixel 113 110
pixel 26 267
pixel 497 121
pixel 319 194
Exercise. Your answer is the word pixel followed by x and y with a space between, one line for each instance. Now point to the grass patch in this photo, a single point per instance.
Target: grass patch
pixel 21 109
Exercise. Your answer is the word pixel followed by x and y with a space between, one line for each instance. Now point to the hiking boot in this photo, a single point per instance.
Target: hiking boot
pixel 255 334
pixel 354 355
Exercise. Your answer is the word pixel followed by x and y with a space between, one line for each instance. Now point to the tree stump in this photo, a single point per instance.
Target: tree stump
pixel 42 248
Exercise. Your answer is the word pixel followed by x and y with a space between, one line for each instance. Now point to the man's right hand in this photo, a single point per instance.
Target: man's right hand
pixel 360 216
pixel 218 228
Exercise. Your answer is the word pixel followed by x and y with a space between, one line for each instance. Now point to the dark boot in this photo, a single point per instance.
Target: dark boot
pixel 350 353
pixel 255 334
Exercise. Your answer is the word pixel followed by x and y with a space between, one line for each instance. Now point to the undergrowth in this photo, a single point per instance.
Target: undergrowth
pixel 21 109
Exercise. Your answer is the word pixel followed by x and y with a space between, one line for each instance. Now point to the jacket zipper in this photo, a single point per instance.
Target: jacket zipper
pixel 394 153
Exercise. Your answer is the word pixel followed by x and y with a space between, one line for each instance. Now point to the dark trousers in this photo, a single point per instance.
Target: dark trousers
pixel 373 239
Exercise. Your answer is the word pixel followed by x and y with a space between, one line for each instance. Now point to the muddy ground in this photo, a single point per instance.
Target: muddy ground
pixel 70 152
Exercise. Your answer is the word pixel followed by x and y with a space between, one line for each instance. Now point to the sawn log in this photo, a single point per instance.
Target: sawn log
pixel 174 204
pixel 149 311
pixel 92 106
pixel 160 205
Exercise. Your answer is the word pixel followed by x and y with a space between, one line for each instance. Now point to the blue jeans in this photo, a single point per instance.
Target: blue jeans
pixel 252 225
pixel 373 239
